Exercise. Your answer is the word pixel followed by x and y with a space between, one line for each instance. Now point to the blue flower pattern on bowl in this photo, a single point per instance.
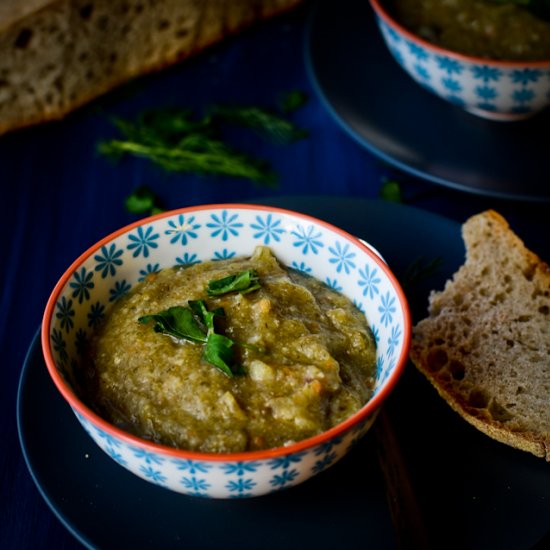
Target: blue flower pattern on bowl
pixel 467 83
pixel 113 269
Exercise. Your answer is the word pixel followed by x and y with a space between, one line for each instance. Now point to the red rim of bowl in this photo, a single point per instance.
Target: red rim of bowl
pixel 378 6
pixel 369 408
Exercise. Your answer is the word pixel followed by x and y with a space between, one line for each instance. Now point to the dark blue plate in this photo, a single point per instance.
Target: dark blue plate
pixel 486 494
pixel 378 104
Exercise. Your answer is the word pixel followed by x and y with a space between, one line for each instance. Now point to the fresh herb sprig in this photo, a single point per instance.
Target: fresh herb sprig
pixel 196 323
pixel 179 141
pixel 243 282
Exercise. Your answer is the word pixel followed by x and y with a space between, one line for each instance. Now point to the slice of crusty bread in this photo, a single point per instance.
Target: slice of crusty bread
pixel 485 345
pixel 56 55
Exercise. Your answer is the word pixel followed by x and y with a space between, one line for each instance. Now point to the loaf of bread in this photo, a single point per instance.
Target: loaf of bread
pixel 56 55
pixel 485 344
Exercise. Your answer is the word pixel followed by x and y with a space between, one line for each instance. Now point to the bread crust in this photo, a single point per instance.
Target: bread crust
pixel 57 55
pixel 485 345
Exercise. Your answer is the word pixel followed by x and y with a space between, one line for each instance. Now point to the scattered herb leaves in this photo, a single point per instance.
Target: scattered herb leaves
pixel 143 201
pixel 265 123
pixel 178 141
pixel 292 101
pixel 390 190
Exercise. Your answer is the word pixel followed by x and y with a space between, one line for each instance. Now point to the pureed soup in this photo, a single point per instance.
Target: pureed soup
pixel 229 356
pixel 491 29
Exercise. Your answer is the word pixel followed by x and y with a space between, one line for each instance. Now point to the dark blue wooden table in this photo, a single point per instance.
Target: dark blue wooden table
pixel 59 196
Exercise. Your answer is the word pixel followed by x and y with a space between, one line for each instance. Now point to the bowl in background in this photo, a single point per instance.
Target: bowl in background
pixel 496 90
pixel 114 265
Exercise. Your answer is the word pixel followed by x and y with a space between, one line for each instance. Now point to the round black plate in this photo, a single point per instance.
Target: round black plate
pixel 105 506
pixel 460 477
pixel 392 116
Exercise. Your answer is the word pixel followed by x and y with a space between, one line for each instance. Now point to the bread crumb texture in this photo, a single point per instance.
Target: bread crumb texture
pixel 485 344
pixel 56 55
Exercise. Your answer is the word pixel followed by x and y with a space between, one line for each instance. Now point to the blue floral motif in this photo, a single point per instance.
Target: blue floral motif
pixel 451 84
pixel 224 226
pixel 192 466
pixel 148 457
pixel 417 51
pixel 523 96
pixel 267 228
pixel 197 485
pixel 154 475
pixel 324 463
pixel 108 260
pixel 394 339
pixel 397 55
pixel 65 314
pixel 284 462
pixel 359 306
pixel 450 66
pixel 422 72
pixel 383 374
pixel 333 283
pixel 96 314
pixel 284 478
pixel 487 106
pixel 376 333
pixel 149 270
pixel 369 280
pixel 143 241
pixel 525 76
pixel 486 73
pixel 307 239
pixel 239 468
pixel 387 309
pixel 328 446
pixel 224 255
pixel 82 284
pixel 240 486
pixel 486 92
pixel 115 455
pixel 343 258
pixel 119 290
pixel 59 345
pixel 188 260
pixel 302 267
pixel 108 438
pixel 394 35
pixel 182 230
pixel 380 366
pixel 456 100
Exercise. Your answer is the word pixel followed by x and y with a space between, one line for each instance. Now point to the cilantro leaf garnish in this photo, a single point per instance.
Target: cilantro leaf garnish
pixel 243 282
pixel 177 321
pixel 196 324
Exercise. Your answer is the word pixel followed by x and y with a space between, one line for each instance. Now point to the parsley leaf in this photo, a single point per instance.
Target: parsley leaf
pixel 178 322
pixel 243 282
pixel 196 324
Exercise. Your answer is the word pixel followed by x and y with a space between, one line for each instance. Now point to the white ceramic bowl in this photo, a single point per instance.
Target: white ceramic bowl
pixel 497 90
pixel 114 265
